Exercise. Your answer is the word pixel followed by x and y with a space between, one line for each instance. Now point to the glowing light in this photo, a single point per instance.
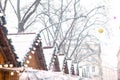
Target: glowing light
pixel 36 44
pixel 34 48
pixel 22 68
pixel 12 73
pixel 100 30
pixel 55 56
pixel 6 65
pixel 18 71
pixel 29 57
pixel 11 65
pixel 25 65
pixel 53 60
pixel 52 63
pixel 38 41
pixel 0 66
pixel 32 52
pixel 27 62
pixel 39 38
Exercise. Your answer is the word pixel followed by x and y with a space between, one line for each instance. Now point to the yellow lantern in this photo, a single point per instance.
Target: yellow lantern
pixel 100 30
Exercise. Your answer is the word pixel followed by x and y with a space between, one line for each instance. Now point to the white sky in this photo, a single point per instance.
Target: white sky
pixel 110 45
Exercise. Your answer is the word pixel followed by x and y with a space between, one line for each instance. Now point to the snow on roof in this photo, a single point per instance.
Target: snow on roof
pixel 22 43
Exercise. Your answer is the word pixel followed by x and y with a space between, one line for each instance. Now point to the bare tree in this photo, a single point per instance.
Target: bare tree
pixel 3 4
pixel 25 15
pixel 69 22
pixel 68 26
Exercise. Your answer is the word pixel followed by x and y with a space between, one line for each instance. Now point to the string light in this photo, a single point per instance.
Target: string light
pixel 55 56
pixel 0 66
pixel 52 63
pixel 34 48
pixel 32 52
pixel 29 57
pixel 22 68
pixel 38 41
pixel 18 71
pixel 39 38
pixel 12 73
pixel 25 65
pixel 27 62
pixel 36 44
pixel 11 65
pixel 5 65
pixel 53 60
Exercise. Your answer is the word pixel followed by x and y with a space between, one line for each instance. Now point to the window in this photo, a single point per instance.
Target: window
pixel 93 68
pixel 87 68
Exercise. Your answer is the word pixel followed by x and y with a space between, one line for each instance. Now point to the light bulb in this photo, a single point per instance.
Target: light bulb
pixel 38 41
pixel 53 60
pixel 12 73
pixel 32 52
pixel 29 57
pixel 36 44
pixel 11 65
pixel 27 62
pixel 25 65
pixel 39 38
pixel 6 65
pixel 0 66
pixel 18 71
pixel 54 56
pixel 34 48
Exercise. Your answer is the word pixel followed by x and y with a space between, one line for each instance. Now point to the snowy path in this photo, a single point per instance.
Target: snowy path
pixel 45 75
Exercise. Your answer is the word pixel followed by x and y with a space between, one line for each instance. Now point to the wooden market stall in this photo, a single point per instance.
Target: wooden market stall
pixel 35 57
pixel 7 57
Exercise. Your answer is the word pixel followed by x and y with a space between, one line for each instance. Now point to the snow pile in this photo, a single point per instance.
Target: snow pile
pixel 45 75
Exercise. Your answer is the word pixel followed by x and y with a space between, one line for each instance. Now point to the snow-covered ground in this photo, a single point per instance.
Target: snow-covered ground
pixel 30 74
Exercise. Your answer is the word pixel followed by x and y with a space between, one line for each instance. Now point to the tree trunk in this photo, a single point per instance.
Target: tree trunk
pixel 20 27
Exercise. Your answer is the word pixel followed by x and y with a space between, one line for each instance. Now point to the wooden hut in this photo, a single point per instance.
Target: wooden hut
pixel 54 65
pixel 35 58
pixel 72 70
pixel 7 57
pixel 65 67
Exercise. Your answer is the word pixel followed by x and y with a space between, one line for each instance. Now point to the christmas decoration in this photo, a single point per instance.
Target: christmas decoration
pixel 100 30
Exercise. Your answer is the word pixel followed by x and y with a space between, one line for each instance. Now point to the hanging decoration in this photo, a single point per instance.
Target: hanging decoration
pixel 100 30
